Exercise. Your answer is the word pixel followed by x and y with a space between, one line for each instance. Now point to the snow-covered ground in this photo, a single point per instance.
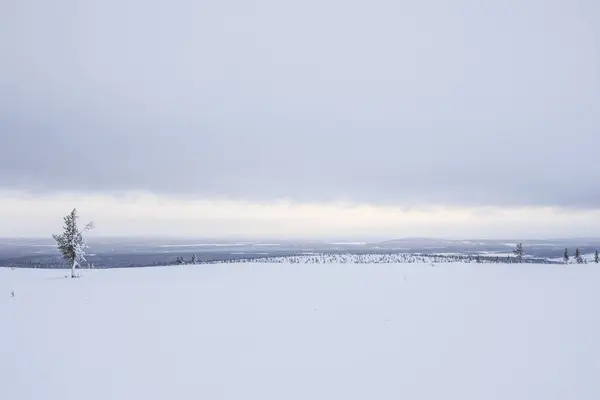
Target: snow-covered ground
pixel 302 331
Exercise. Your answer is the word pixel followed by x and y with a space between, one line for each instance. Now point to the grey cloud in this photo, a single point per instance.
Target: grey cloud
pixel 379 102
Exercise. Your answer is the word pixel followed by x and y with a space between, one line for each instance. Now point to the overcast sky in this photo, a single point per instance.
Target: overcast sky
pixel 407 117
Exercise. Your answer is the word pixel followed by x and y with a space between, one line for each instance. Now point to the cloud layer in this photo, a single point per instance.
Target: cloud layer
pixel 410 103
pixel 150 215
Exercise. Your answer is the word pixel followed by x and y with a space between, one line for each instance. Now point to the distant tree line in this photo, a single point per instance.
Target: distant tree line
pixel 578 258
pixel 519 252
pixel 181 261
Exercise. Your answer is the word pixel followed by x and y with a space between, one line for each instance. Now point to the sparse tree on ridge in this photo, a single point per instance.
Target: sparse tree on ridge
pixel 578 256
pixel 596 257
pixel 194 259
pixel 566 256
pixel 71 243
pixel 519 252
pixel 180 261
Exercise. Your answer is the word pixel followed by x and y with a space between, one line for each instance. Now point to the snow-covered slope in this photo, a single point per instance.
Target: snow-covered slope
pixel 282 331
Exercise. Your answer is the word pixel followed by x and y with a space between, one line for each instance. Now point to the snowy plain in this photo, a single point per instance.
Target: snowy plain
pixel 283 331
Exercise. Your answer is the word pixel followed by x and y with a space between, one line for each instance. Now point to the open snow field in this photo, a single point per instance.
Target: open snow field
pixel 310 332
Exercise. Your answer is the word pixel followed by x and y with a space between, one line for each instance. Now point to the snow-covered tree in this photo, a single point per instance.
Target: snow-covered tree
pixel 180 261
pixel 71 243
pixel 194 259
pixel 519 252
pixel 566 256
pixel 596 257
pixel 578 256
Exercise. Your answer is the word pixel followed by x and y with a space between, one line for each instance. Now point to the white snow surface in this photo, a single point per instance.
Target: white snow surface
pixel 302 331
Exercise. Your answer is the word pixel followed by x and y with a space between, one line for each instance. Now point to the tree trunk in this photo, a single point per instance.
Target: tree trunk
pixel 73 268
